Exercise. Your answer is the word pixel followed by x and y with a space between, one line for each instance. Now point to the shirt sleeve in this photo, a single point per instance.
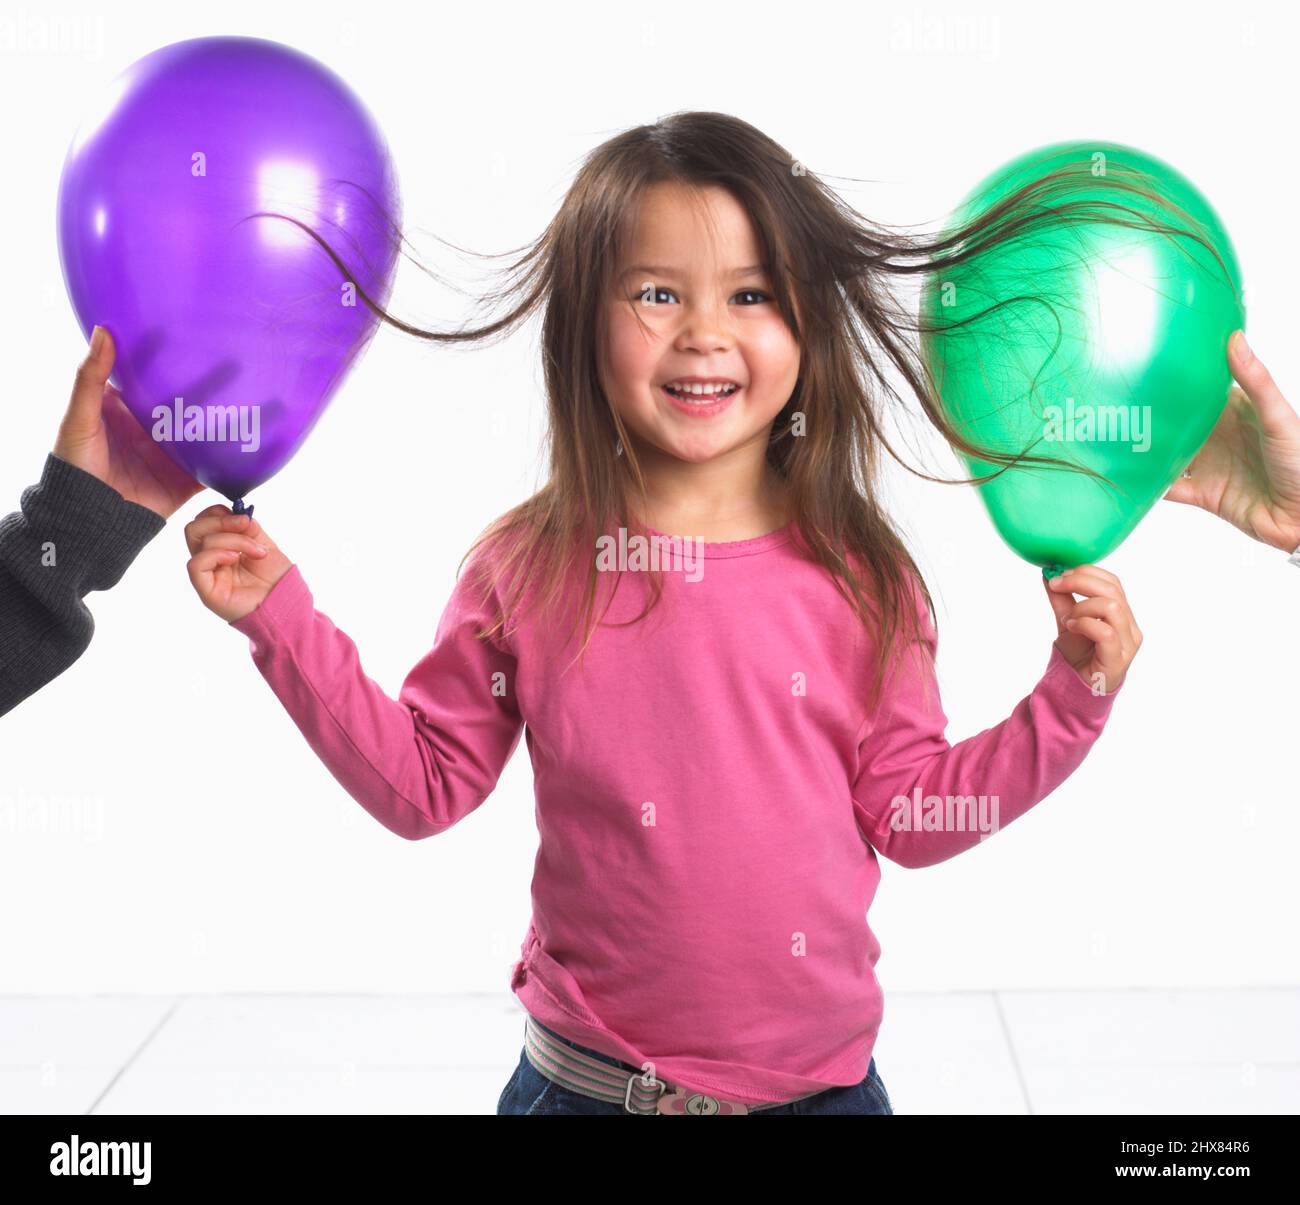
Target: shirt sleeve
pixel 920 800
pixel 72 534
pixel 417 763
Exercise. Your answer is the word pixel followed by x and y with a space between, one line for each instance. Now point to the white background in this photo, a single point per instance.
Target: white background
pixel 165 828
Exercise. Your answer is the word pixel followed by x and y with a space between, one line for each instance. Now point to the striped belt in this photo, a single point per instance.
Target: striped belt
pixel 606 1078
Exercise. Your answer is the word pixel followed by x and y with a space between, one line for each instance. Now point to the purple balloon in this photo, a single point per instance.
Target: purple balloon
pixel 200 212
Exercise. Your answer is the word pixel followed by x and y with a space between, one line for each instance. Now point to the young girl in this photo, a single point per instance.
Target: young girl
pixel 722 743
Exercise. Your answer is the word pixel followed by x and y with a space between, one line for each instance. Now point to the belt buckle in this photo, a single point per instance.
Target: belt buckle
pixel 643 1077
pixel 698 1104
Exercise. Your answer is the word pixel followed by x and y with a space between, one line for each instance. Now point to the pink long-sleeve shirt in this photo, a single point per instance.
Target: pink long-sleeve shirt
pixel 711 798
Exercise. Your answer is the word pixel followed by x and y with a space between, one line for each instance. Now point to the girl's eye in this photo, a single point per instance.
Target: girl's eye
pixel 651 296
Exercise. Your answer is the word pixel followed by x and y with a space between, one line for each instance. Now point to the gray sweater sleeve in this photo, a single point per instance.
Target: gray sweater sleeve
pixel 74 534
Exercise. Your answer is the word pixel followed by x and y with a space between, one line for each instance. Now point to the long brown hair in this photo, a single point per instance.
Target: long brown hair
pixel 842 269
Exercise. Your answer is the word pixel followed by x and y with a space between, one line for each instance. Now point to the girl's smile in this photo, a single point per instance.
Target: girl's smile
pixel 700 405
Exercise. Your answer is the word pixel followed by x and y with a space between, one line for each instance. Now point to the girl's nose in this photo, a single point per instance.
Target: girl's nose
pixel 703 331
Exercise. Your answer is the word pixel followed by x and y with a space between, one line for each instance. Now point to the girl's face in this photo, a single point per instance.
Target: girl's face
pixel 696 282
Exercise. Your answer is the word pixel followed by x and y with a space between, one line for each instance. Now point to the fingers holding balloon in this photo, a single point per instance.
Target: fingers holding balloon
pixel 213 518
pixel 260 560
pixel 1087 579
pixel 1107 625
pixel 1264 406
pixel 251 528
pixel 233 541
pixel 222 518
pixel 1104 598
pixel 232 571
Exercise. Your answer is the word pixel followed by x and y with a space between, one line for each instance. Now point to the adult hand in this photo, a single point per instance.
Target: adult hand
pixel 100 435
pixel 1248 470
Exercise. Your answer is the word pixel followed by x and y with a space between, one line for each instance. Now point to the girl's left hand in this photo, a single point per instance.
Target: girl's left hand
pixel 1098 634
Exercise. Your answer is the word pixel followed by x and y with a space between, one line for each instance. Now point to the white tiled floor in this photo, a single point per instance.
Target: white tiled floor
pixel 1187 1052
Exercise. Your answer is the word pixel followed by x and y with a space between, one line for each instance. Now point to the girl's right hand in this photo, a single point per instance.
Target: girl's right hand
pixel 233 562
pixel 1098 636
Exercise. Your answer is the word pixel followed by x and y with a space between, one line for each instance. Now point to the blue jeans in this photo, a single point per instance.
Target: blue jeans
pixel 530 1093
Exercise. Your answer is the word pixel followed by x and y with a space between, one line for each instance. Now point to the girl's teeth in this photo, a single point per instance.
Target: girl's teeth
pixel 701 391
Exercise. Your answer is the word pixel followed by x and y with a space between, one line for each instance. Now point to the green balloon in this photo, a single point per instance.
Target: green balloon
pixel 1088 334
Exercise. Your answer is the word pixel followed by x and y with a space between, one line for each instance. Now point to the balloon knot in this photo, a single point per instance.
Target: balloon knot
pixel 240 509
